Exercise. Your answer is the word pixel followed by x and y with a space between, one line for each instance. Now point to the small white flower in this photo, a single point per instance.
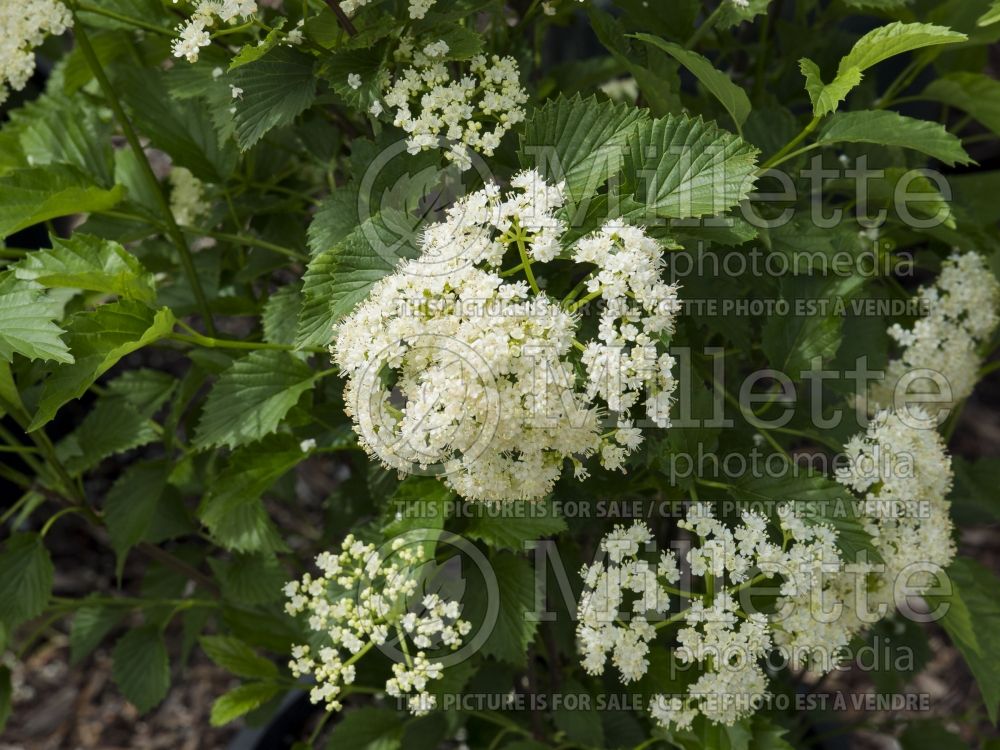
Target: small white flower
pixel 354 80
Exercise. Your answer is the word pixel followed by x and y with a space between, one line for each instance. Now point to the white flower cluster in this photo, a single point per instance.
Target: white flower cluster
pixel 187 196
pixel 903 473
pixel 961 315
pixel 419 8
pixel 431 105
pixel 193 34
pixel 24 24
pixel 724 643
pixel 484 369
pixel 600 631
pixel 360 601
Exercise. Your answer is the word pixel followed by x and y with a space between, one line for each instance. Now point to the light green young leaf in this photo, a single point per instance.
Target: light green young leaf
pixel 27 324
pixel 895 39
pixel 826 98
pixel 252 52
pixel 242 700
pixel 972 621
pixel 974 93
pixel 276 89
pixel 31 196
pixel 991 16
pixel 581 141
pixel 874 47
pixel 731 96
pixel 888 128
pixel 91 263
pixel 141 667
pixel 237 657
pixel 98 339
pixel 25 579
pixel 252 397
pixel 679 168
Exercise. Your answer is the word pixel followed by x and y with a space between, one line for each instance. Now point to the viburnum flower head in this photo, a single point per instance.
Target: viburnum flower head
pixel 471 112
pixel 458 368
pixel 194 34
pixel 364 598
pixel 961 315
pixel 25 25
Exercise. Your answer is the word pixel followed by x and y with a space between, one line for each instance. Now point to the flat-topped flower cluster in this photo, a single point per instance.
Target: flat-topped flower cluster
pixel 437 109
pixel 455 368
pixel 193 34
pixel 25 25
pixel 361 600
pixel 901 474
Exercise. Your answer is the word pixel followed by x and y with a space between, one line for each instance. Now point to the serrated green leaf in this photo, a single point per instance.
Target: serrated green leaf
pixel 894 39
pixel 281 314
pixel 269 382
pixel 340 278
pixel 679 168
pixel 241 700
pixel 131 505
pixel 972 621
pixel 252 52
pixel 517 523
pixel 363 726
pixel 234 655
pixel 91 623
pixel 91 263
pixel 31 196
pixel 25 578
pixel 27 324
pixel 146 389
pixel 233 511
pixel 826 98
pixel 888 128
pixel 98 340
pixel 513 631
pixel 276 89
pixel 581 141
pixel 250 579
pixel 336 217
pixel 185 130
pixel 55 129
pixel 812 328
pixel 112 426
pixel 974 93
pixel 731 96
pixel 141 667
